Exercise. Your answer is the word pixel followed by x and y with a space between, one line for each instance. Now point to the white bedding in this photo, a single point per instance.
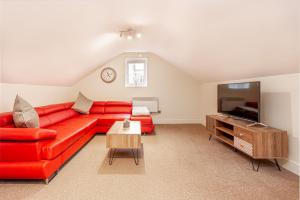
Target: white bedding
pixel 140 110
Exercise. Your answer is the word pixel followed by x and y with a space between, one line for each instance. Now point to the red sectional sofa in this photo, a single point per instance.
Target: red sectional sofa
pixel 37 153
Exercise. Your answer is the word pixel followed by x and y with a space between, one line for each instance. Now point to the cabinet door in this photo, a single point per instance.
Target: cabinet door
pixel 210 124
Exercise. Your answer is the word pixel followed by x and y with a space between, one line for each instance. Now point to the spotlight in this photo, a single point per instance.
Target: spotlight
pixel 138 35
pixel 130 34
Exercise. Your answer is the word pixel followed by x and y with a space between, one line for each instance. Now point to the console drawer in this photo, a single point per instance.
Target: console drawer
pixel 244 146
pixel 243 134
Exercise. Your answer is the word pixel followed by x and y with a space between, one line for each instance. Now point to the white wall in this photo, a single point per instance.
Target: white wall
pixel 36 95
pixel 279 108
pixel 178 92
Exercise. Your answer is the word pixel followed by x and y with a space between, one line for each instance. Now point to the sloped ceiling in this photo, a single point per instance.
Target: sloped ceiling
pixel 57 42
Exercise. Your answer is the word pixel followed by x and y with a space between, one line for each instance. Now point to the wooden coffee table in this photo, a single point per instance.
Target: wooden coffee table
pixel 118 137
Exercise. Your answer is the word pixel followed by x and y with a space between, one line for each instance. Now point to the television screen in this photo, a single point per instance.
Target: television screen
pixel 241 100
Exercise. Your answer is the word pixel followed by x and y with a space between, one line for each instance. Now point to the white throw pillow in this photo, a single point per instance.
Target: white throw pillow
pixel 140 110
pixel 24 115
pixel 82 104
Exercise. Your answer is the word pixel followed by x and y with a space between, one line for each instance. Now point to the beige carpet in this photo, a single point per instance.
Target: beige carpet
pixel 178 163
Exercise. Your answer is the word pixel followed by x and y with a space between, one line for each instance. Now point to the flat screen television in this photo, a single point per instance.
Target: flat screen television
pixel 241 100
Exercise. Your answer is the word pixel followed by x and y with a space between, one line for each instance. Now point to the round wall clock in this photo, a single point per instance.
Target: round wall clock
pixel 108 75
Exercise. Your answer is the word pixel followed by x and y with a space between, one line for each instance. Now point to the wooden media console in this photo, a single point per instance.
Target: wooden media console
pixel 258 142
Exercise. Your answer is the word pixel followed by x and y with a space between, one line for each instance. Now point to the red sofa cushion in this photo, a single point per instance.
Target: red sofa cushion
pixel 99 103
pixel 68 132
pixel 118 107
pixel 56 117
pixel 26 134
pixel 119 103
pixel 145 120
pixel 110 107
pixel 6 119
pixel 97 110
pixel 117 110
pixel 109 119
pixel 17 151
pixel 147 128
pixel 23 144
pixel 45 110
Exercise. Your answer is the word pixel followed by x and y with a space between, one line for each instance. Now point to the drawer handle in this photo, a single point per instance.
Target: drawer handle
pixel 241 134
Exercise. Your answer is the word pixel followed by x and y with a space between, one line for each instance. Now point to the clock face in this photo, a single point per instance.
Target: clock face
pixel 108 75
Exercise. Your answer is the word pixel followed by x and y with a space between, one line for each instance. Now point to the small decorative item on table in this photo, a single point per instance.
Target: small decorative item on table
pixel 126 123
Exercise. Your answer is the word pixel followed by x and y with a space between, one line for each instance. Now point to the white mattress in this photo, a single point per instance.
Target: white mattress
pixel 140 110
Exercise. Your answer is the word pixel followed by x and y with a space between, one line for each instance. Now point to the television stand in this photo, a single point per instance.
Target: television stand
pixel 257 142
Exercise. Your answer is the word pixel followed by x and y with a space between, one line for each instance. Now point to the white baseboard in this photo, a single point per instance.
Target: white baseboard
pixel 292 166
pixel 176 121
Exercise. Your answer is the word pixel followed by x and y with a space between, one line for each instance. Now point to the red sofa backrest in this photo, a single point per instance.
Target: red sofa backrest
pixel 111 107
pixel 98 107
pixel 49 115
pixel 118 107
pixel 6 119
pixel 55 113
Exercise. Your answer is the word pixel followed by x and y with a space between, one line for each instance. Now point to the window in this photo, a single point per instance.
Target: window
pixel 136 72
pixel 239 86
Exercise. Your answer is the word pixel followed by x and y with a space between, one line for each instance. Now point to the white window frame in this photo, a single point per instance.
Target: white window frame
pixel 137 60
pixel 239 86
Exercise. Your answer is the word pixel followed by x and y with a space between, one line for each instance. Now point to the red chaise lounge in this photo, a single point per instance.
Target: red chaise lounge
pixel 37 153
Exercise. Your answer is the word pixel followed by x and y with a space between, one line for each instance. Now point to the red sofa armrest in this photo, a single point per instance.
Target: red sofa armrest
pixel 26 134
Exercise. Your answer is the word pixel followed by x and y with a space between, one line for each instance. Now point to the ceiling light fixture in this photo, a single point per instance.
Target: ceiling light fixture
pixel 129 34
pixel 138 35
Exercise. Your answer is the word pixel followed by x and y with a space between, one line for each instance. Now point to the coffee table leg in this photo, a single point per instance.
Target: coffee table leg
pixel 136 159
pixel 111 155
